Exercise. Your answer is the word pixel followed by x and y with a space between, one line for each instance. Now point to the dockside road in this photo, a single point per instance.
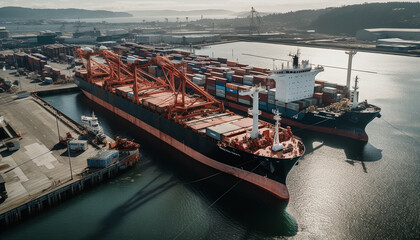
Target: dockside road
pixel 41 165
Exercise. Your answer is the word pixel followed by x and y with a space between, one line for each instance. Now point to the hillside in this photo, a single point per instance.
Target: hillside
pixel 299 19
pixel 349 19
pixel 204 12
pixel 30 13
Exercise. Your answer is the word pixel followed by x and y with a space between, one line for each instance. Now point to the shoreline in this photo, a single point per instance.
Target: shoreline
pixel 324 46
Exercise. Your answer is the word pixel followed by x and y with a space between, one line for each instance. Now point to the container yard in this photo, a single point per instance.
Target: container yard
pixel 42 171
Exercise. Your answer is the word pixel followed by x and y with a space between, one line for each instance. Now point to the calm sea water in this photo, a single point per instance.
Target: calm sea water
pixel 339 190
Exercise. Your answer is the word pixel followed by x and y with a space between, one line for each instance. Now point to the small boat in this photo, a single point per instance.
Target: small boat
pixel 92 124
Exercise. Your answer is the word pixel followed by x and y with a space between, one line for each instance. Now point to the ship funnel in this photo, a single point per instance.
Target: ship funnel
pixel 277 146
pixel 254 111
pixel 295 61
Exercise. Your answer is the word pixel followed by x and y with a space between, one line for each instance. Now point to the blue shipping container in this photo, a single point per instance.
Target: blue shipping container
pixel 262 105
pixel 271 107
pixel 103 159
pixel 232 90
pixel 220 84
pixel 220 87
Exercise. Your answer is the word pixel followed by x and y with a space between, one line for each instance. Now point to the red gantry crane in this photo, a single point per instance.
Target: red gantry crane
pixel 107 67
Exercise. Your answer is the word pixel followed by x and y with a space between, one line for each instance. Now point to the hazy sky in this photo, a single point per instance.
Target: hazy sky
pixel 233 5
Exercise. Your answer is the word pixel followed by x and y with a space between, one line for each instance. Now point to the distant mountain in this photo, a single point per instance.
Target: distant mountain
pixel 31 13
pixel 302 19
pixel 174 13
pixel 349 19
pixel 248 13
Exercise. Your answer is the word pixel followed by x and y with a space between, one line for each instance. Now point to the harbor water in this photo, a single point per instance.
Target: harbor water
pixel 339 190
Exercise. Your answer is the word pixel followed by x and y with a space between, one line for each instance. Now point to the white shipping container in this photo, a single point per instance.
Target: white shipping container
pixel 330 90
pixel 249 83
pixel 200 76
pixel 248 78
pixel 78 145
pixel 199 81
pixel 293 106
pixel 280 103
pixel 230 73
pixel 243 101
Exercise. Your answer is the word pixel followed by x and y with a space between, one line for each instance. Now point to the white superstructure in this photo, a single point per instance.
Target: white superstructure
pixel 254 111
pixel 296 82
pixel 277 146
pixel 92 124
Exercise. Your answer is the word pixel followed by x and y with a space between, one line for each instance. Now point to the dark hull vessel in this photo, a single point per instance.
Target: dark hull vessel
pixel 267 173
pixel 350 124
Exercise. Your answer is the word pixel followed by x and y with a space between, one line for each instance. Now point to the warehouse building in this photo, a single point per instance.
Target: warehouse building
pixel 374 34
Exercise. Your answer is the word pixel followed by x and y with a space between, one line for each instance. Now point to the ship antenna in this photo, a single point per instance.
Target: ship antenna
pixel 276 144
pixel 254 111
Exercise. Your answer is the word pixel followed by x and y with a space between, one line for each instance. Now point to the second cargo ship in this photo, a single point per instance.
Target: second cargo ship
pixel 194 123
pixel 292 90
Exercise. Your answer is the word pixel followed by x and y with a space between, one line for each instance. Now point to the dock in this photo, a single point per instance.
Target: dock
pixel 38 176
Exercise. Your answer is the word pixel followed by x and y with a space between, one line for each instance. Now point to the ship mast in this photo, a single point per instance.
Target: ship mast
pixel 351 53
pixel 254 111
pixel 355 94
pixel 276 144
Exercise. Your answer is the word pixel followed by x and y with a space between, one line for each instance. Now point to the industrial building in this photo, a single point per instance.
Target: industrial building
pixel 373 34
pixel 148 38
pixel 4 33
pixel 46 37
pixel 176 39
pixel 392 38
pixel 397 44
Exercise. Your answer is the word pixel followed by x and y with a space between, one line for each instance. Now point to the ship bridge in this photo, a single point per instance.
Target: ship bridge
pixel 293 84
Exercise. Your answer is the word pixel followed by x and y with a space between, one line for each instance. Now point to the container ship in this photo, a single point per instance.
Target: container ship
pixel 292 90
pixel 178 112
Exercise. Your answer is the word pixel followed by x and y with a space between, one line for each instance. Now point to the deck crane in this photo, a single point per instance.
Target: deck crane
pixel 107 68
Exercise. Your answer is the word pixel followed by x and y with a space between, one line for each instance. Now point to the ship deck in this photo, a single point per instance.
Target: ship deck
pixel 226 128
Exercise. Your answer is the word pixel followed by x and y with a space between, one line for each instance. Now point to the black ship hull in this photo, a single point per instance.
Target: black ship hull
pixel 267 173
pixel 351 124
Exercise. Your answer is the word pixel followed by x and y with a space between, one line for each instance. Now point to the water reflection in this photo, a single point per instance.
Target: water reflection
pixel 257 212
pixel 353 149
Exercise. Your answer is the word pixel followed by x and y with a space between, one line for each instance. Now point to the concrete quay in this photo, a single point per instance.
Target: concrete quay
pixel 38 175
